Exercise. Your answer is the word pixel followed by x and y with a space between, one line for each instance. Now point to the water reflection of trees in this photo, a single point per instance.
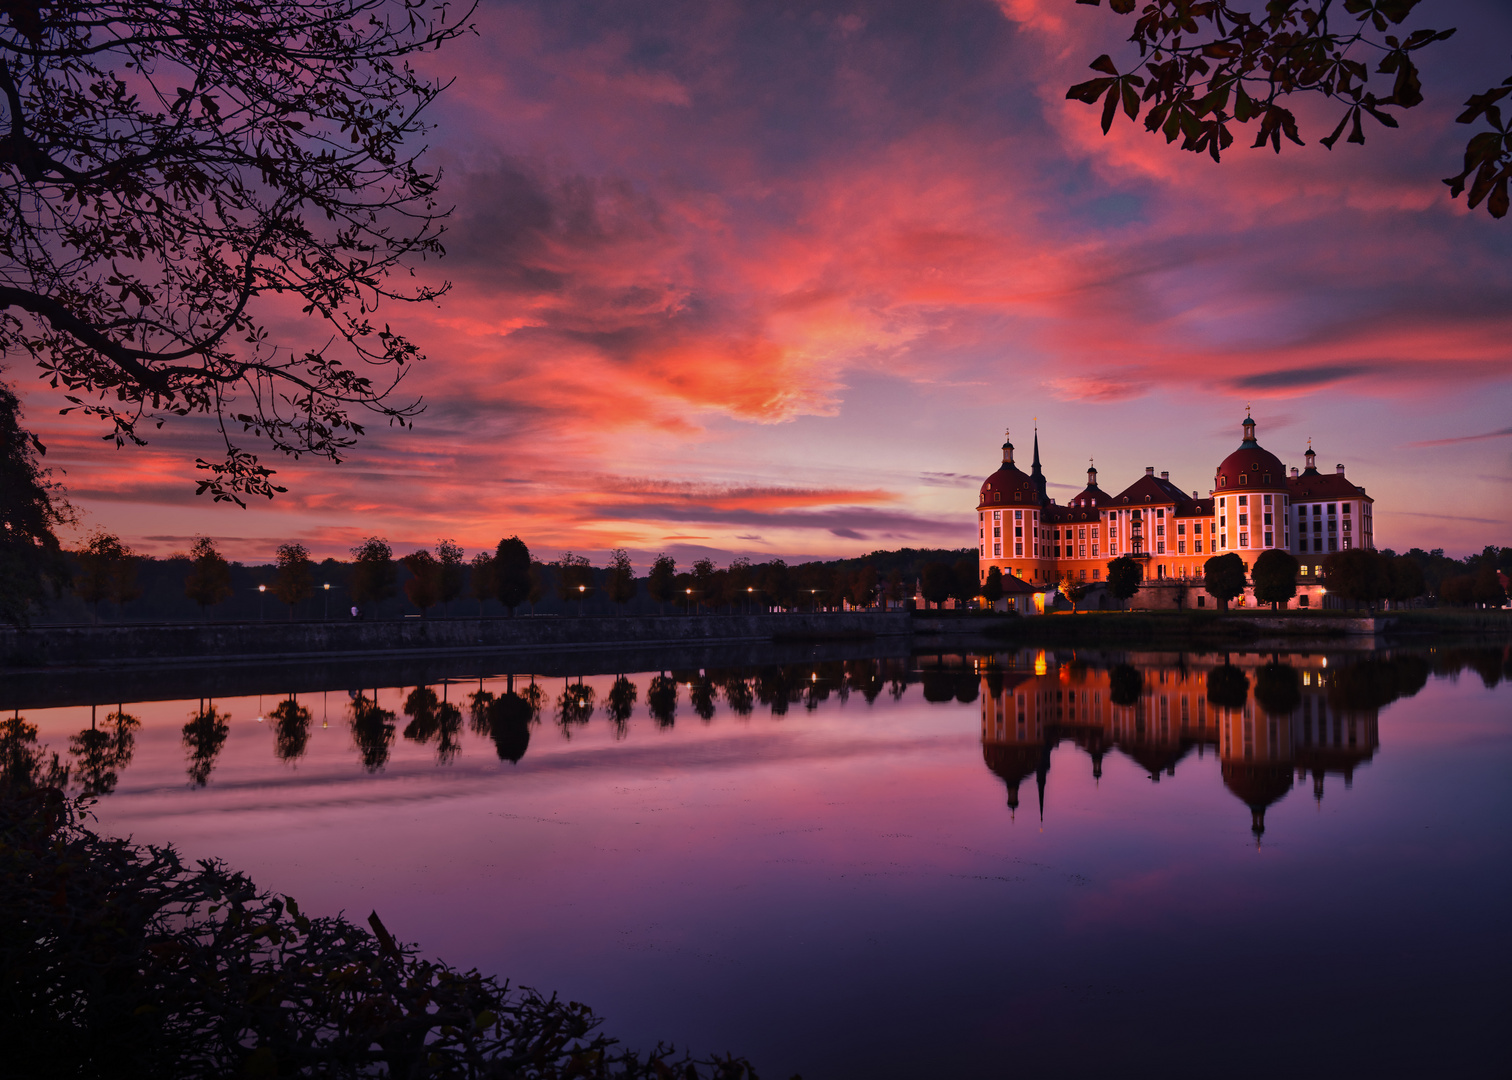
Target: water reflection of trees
pixel 372 731
pixel 291 730
pixel 102 750
pixel 204 736
pixel 432 718
pixel 1271 720
pixel 661 699
pixel 25 763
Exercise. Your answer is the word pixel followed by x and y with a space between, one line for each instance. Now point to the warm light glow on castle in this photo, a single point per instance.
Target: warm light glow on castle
pixel 1252 506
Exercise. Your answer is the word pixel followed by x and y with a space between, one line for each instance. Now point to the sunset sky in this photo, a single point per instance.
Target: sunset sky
pixel 771 279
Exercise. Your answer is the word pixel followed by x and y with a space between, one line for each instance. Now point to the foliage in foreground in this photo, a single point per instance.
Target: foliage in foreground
pixel 125 961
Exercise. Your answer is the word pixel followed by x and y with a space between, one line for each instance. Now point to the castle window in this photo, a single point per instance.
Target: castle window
pixel 1244 500
pixel 1267 500
pixel 1223 481
pixel 1097 575
pixel 1244 479
pixel 1267 480
pixel 1302 571
pixel 997 496
pixel 1018 515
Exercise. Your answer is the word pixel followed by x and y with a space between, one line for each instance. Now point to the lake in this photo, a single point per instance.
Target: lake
pixel 1062 863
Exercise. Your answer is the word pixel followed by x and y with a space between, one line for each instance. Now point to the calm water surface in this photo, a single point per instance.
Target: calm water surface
pixel 1026 864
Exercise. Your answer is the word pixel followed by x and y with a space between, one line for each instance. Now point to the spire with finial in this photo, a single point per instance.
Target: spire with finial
pixel 1249 429
pixel 1312 457
pixel 1036 474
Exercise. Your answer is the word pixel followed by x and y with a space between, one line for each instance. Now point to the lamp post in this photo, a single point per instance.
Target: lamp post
pixel 262 591
pixel 581 590
pixel 750 600
pixel 813 601
pixel 327 588
pixel 688 603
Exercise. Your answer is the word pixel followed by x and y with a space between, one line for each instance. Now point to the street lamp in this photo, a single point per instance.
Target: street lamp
pixel 262 591
pixel 327 588
pixel 750 600
pixel 581 590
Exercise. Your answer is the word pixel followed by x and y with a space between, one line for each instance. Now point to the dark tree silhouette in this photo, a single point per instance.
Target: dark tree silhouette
pixel 1211 66
pixel 511 573
pixel 209 579
pixel 1407 582
pixel 480 579
pixel 937 583
pixel 619 582
pixel 175 174
pixel 373 572
pixel 574 576
pixel 1223 577
pixel 661 584
pixel 31 507
pixel 992 588
pixel 294 580
pixel 1275 577
pixel 1358 575
pixel 450 575
pixel 1124 578
pixel 423 589
pixel 107 571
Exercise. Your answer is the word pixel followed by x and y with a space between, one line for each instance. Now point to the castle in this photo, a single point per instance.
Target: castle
pixel 1253 506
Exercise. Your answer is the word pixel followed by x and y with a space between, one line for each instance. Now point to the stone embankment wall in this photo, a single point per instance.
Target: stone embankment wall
pixel 86 645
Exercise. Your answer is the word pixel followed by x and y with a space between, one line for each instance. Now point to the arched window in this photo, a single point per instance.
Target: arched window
pixel 1244 479
pixel 996 497
pixel 1223 481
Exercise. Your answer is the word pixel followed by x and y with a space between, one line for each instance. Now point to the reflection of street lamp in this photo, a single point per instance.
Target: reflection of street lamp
pixel 327 588
pixel 262 591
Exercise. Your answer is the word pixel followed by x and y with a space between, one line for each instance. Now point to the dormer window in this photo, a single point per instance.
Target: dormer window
pixel 997 497
pixel 1223 481
pixel 1244 479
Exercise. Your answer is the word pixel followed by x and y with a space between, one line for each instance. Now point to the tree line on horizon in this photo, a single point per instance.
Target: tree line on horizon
pixel 106 571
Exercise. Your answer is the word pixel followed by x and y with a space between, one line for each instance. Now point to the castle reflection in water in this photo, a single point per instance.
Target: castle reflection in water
pixel 1267 721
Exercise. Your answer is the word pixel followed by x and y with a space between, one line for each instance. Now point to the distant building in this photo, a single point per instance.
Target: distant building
pixel 1252 506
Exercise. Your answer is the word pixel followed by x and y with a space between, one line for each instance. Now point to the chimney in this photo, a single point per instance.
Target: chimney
pixel 1294 472
pixel 1149 470
pixel 1339 469
pixel 1164 475
pixel 1195 495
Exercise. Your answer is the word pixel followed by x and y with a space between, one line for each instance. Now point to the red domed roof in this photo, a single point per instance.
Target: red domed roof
pixel 1250 466
pixel 1007 482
